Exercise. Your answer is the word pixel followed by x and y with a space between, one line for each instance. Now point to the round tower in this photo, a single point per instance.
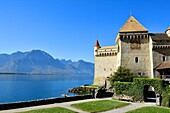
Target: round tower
pixel 96 47
pixel 168 31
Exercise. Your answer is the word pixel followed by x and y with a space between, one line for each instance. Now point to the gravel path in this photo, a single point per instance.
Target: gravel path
pixel 132 106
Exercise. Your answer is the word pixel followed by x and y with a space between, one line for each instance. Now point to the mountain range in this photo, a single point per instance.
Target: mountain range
pixel 40 62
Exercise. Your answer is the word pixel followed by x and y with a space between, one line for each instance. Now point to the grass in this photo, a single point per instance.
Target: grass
pixel 150 110
pixel 99 106
pixel 51 110
pixel 94 86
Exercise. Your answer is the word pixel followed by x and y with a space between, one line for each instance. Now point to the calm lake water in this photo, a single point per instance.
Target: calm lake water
pixel 16 88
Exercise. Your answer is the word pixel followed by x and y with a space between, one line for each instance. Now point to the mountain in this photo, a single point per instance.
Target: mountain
pixel 40 62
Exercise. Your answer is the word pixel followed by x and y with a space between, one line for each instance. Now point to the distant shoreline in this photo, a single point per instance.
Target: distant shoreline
pixel 15 73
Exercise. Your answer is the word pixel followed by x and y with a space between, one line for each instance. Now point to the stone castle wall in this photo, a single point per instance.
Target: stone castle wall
pixel 128 57
pixel 104 66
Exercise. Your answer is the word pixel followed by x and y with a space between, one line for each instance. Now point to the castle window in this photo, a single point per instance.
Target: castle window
pixel 163 58
pixel 136 59
pixel 104 69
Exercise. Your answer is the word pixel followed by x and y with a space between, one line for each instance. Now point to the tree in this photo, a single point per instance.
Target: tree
pixel 122 74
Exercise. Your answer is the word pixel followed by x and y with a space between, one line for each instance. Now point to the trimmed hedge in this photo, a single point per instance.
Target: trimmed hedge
pixel 142 84
pixel 166 97
pixel 123 88
pixel 139 86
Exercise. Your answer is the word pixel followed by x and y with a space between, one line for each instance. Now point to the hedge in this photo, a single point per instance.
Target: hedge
pixel 139 86
pixel 123 88
pixel 142 84
pixel 166 97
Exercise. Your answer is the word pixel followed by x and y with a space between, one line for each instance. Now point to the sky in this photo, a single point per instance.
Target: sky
pixel 68 29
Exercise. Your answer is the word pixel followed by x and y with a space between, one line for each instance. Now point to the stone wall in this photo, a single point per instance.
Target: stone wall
pixel 15 105
pixel 104 66
pixel 128 56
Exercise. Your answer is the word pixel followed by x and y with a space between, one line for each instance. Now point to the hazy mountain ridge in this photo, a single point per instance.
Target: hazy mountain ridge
pixel 40 62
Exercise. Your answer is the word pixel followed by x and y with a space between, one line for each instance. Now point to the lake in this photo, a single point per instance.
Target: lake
pixel 15 88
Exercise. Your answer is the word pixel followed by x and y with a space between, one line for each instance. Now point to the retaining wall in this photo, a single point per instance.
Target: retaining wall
pixel 41 102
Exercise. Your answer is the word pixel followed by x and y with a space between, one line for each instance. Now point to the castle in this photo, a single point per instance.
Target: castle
pixel 146 54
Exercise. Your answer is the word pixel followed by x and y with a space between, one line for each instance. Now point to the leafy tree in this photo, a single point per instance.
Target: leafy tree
pixel 122 74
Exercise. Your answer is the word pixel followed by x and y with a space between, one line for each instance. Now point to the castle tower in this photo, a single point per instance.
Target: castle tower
pixel 135 49
pixel 168 31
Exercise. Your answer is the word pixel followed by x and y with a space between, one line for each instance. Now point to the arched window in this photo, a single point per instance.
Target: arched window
pixel 163 58
pixel 136 59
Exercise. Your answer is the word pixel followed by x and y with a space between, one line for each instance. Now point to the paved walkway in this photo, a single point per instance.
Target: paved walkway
pixel 132 106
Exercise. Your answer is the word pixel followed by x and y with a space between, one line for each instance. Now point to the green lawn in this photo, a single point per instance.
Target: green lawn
pixel 51 110
pixel 99 106
pixel 150 110
pixel 94 86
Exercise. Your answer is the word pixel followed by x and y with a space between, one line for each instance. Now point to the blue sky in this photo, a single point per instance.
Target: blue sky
pixel 69 28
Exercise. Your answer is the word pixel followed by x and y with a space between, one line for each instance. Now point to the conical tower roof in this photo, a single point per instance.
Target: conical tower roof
pixel 97 44
pixel 132 25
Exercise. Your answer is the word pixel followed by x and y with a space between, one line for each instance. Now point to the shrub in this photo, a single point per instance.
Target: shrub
pixel 166 97
pixel 122 74
pixel 82 90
